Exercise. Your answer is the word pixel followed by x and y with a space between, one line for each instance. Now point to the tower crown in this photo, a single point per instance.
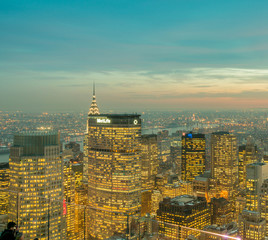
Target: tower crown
pixel 94 110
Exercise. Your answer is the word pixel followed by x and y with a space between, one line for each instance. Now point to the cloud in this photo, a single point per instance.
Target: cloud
pixel 183 86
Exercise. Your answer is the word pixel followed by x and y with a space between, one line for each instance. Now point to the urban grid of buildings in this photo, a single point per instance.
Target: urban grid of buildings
pixel 205 183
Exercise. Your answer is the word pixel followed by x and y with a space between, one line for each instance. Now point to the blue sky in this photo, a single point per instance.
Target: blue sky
pixel 141 54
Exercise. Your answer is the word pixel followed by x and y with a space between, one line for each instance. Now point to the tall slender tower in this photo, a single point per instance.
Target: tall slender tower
pixel 36 185
pixel 93 110
pixel 114 179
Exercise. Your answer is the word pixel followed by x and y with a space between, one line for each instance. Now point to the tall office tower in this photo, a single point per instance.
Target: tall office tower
pixel 256 173
pixel 114 165
pixel 149 161
pixel 175 158
pixel 184 210
pixel 149 168
pixel 224 164
pixel 93 111
pixel 36 184
pixel 4 185
pixel 247 154
pixel 264 203
pixel 69 197
pixel 193 150
pixel 251 226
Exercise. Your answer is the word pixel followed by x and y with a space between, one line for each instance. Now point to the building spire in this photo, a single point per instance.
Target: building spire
pixel 94 110
pixel 94 88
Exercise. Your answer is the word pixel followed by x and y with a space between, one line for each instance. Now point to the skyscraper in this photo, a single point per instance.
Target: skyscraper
pixel 93 110
pixel 175 158
pixel 36 185
pixel 256 173
pixel 69 197
pixel 224 164
pixel 149 161
pixel 192 156
pixel 114 172
pixel 4 184
pixel 264 203
pixel 247 154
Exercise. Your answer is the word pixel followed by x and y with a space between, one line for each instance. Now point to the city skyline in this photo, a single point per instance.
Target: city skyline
pixel 142 55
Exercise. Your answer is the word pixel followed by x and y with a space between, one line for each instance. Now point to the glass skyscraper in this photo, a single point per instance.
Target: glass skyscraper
pixel 114 173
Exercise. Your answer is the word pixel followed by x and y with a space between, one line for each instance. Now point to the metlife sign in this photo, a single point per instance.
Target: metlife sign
pixel 103 120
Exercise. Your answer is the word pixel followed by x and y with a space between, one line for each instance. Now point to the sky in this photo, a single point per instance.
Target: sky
pixel 143 55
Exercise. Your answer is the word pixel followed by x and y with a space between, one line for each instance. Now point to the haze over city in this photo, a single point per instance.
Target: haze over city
pixel 142 55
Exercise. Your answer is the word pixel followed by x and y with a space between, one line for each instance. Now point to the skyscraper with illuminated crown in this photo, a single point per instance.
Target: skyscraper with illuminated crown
pixel 93 110
pixel 112 154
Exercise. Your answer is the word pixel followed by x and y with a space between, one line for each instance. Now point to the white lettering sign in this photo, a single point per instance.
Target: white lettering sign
pixel 103 120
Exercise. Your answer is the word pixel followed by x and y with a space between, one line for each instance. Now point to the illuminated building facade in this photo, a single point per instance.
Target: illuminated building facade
pixel 36 184
pixel 80 211
pixel 149 168
pixel 256 173
pixel 224 164
pixel 69 196
pixel 156 199
pixel 161 180
pixel 247 154
pixel 251 226
pixel 264 203
pixel 149 161
pixel 176 189
pixel 146 202
pixel 114 167
pixel 201 185
pixel 240 205
pixel 4 185
pixel 184 210
pixel 175 158
pixel 78 173
pixel 193 151
pixel 221 211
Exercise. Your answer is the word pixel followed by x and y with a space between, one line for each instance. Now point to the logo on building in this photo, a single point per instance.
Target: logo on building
pixel 103 120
